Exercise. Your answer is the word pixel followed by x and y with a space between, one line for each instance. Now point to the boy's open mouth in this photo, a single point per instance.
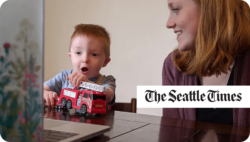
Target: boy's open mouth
pixel 84 69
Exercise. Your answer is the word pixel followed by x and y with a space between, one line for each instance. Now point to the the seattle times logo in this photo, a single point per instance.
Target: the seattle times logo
pixel 193 96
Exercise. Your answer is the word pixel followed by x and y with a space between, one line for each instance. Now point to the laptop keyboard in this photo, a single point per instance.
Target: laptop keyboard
pixel 53 136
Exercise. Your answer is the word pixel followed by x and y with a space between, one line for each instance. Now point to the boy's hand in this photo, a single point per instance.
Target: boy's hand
pixel 76 78
pixel 50 97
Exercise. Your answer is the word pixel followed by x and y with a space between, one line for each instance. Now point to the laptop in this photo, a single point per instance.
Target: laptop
pixel 65 131
pixel 21 79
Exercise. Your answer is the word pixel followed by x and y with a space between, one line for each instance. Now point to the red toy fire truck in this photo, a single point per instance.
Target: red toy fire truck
pixel 91 101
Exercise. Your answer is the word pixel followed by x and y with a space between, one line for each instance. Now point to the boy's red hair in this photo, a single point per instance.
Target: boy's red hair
pixel 95 31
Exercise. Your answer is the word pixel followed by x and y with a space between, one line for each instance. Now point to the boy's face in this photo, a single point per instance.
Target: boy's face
pixel 87 55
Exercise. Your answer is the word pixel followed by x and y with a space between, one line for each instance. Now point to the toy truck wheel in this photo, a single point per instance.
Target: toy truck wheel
pixel 83 109
pixel 69 104
pixel 63 103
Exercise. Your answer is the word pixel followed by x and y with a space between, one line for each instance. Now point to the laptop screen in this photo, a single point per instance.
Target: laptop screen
pixel 21 70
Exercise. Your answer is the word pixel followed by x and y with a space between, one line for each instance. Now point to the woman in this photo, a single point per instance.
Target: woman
pixel 213 49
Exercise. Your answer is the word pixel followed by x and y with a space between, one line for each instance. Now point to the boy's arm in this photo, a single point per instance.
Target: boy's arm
pixel 109 82
pixel 109 91
pixel 109 94
pixel 49 96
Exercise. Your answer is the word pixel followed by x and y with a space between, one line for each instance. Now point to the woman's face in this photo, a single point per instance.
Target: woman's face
pixel 184 20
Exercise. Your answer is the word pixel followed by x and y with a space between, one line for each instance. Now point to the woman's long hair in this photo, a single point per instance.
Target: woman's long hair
pixel 223 34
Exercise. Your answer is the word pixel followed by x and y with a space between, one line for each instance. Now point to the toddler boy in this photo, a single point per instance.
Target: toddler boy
pixel 89 52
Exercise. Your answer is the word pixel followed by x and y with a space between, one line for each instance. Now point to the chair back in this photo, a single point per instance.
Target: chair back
pixel 128 107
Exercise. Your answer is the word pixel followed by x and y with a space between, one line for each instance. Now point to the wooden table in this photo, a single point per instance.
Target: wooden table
pixel 132 127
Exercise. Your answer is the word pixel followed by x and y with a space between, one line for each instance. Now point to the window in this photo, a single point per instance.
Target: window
pixel 91 96
pixel 95 97
pixel 66 92
pixel 72 94
pixel 85 95
pixel 69 93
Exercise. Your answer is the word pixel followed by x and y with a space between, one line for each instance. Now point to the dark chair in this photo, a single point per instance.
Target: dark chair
pixel 128 107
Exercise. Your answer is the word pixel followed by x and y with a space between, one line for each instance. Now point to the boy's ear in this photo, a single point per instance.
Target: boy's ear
pixel 106 62
pixel 69 54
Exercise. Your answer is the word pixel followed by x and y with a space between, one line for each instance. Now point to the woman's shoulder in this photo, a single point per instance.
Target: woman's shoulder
pixel 242 67
pixel 169 63
pixel 172 76
pixel 247 53
pixel 170 73
pixel 168 59
pixel 244 59
pixel 169 66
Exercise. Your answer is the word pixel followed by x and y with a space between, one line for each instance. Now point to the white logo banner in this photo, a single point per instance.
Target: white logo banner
pixel 193 96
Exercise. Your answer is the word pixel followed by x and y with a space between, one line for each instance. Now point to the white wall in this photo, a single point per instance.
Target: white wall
pixel 140 40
